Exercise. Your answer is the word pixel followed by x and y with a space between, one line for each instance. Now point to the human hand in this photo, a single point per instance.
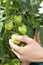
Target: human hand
pixel 37 39
pixel 30 52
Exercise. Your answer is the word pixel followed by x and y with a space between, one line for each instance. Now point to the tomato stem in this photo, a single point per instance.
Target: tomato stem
pixel 3 48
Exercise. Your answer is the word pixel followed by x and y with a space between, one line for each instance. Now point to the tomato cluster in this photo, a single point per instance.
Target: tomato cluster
pixel 21 28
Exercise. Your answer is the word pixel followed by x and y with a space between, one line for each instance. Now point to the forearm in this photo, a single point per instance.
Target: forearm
pixel 40 56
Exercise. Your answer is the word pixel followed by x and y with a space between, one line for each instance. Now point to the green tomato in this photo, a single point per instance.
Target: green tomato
pixel 6 64
pixel 9 25
pixel 15 62
pixel 17 19
pixel 14 40
pixel 22 44
pixel 22 29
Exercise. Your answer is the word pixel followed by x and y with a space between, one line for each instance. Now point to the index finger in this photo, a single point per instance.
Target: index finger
pixel 25 39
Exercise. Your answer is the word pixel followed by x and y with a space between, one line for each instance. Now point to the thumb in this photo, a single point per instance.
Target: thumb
pixel 37 36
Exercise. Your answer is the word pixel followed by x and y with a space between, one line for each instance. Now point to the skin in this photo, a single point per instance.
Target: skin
pixel 32 52
pixel 37 39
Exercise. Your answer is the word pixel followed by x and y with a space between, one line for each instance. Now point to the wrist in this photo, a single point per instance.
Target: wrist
pixel 25 63
pixel 40 55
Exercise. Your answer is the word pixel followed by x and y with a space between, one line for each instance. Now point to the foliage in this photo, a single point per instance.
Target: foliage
pixel 15 13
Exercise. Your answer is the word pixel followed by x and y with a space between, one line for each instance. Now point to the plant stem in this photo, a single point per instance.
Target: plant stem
pixel 3 49
pixel 7 7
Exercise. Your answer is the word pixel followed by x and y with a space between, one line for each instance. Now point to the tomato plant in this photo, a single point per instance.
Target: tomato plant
pixel 17 17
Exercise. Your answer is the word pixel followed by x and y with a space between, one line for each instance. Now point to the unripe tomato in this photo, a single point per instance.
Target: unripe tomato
pixel 6 64
pixel 15 62
pixel 9 25
pixel 22 44
pixel 14 40
pixel 22 29
pixel 17 19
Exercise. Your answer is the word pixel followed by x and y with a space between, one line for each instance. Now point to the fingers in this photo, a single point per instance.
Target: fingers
pixel 17 54
pixel 16 47
pixel 25 39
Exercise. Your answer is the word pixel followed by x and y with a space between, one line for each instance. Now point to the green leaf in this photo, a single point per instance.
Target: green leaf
pixel 0 53
pixel 1 25
pixel 30 32
pixel 24 7
pixel 41 34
